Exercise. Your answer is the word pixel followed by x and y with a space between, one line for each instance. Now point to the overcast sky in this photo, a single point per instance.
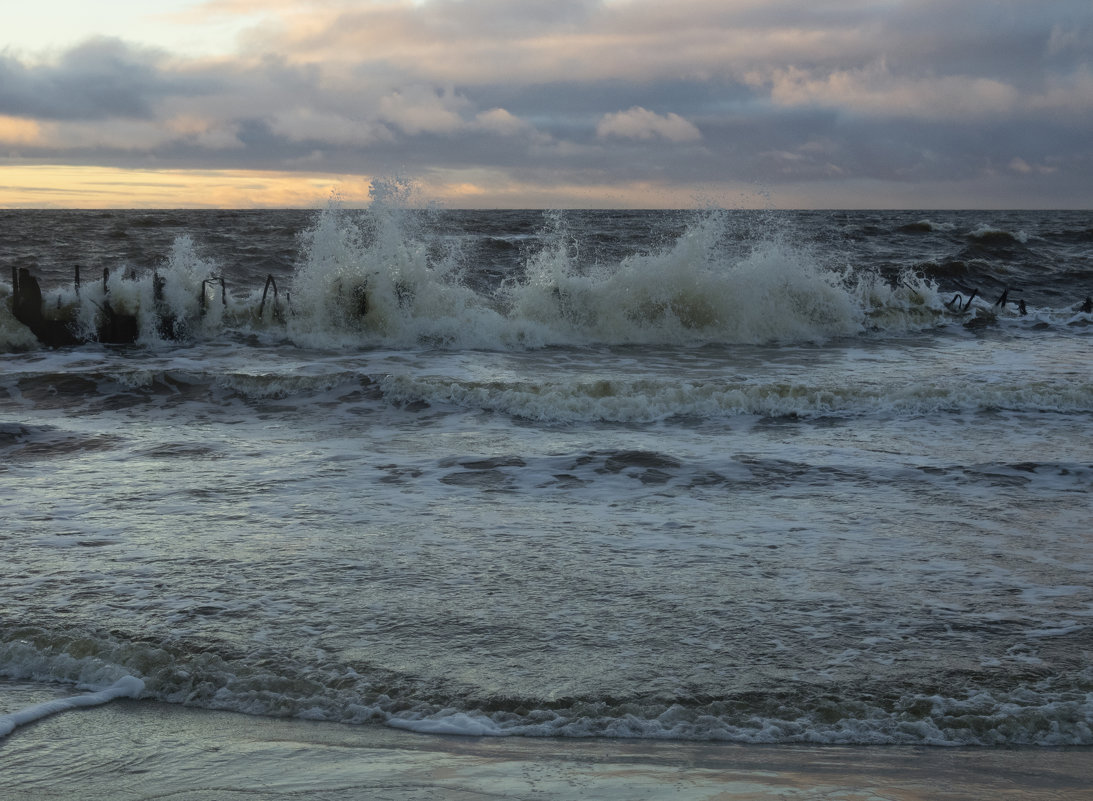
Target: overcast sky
pixel 558 103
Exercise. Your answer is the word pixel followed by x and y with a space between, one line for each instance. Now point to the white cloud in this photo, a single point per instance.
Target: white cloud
pixel 422 109
pixel 500 121
pixel 874 90
pixel 1019 165
pixel 640 123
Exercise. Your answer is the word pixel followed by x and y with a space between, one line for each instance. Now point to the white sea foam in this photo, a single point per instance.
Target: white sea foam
pixel 14 336
pixel 613 400
pixel 930 225
pixel 1034 714
pixel 382 277
pixel 369 277
pixel 978 719
pixel 126 687
pixel 689 292
pixel 987 232
pixel 372 277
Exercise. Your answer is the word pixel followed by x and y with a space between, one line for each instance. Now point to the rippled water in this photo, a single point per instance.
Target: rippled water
pixel 646 475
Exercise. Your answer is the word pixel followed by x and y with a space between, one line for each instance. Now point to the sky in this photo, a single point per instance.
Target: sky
pixel 548 103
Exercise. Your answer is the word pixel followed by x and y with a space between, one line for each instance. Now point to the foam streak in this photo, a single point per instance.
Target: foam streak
pixel 127 687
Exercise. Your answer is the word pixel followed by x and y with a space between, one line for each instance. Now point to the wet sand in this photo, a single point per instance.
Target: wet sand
pixel 138 751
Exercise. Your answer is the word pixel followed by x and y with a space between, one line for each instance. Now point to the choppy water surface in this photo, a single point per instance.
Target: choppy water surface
pixel 752 477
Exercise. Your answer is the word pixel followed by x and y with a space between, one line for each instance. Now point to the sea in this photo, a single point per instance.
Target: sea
pixel 721 475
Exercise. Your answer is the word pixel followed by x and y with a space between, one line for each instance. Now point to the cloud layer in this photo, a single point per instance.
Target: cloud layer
pixel 630 102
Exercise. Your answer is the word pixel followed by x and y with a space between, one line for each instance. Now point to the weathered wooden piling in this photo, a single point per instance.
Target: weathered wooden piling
pixel 27 308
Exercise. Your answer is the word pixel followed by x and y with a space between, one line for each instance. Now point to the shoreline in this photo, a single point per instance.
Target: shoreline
pixel 131 750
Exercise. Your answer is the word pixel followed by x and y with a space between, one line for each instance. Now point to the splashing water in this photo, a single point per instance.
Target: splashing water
pixel 372 277
pixel 387 276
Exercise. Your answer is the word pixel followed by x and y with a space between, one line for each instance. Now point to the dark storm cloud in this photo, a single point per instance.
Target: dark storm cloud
pixel 95 80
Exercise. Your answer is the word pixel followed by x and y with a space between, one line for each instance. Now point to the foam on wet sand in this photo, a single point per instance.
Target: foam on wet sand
pixel 132 751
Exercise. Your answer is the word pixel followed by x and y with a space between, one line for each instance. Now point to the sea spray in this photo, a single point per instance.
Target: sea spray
pixel 374 277
pixel 694 290
pixel 377 277
pixel 395 276
pixel 183 298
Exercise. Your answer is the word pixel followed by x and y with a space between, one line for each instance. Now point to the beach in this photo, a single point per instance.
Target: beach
pixel 138 751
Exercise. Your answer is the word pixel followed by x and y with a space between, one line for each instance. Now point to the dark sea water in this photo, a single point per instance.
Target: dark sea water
pixel 717 475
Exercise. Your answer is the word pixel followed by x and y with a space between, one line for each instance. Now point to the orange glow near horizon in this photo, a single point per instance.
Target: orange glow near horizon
pixel 89 187
pixel 56 186
pixel 18 131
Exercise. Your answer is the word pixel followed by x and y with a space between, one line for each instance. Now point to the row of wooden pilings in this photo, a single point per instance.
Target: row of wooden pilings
pixel 58 327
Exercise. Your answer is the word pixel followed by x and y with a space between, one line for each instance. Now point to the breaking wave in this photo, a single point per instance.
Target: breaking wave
pixel 964 714
pixel 382 277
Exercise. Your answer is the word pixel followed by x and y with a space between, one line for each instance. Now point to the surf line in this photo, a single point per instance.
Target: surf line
pixel 127 687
